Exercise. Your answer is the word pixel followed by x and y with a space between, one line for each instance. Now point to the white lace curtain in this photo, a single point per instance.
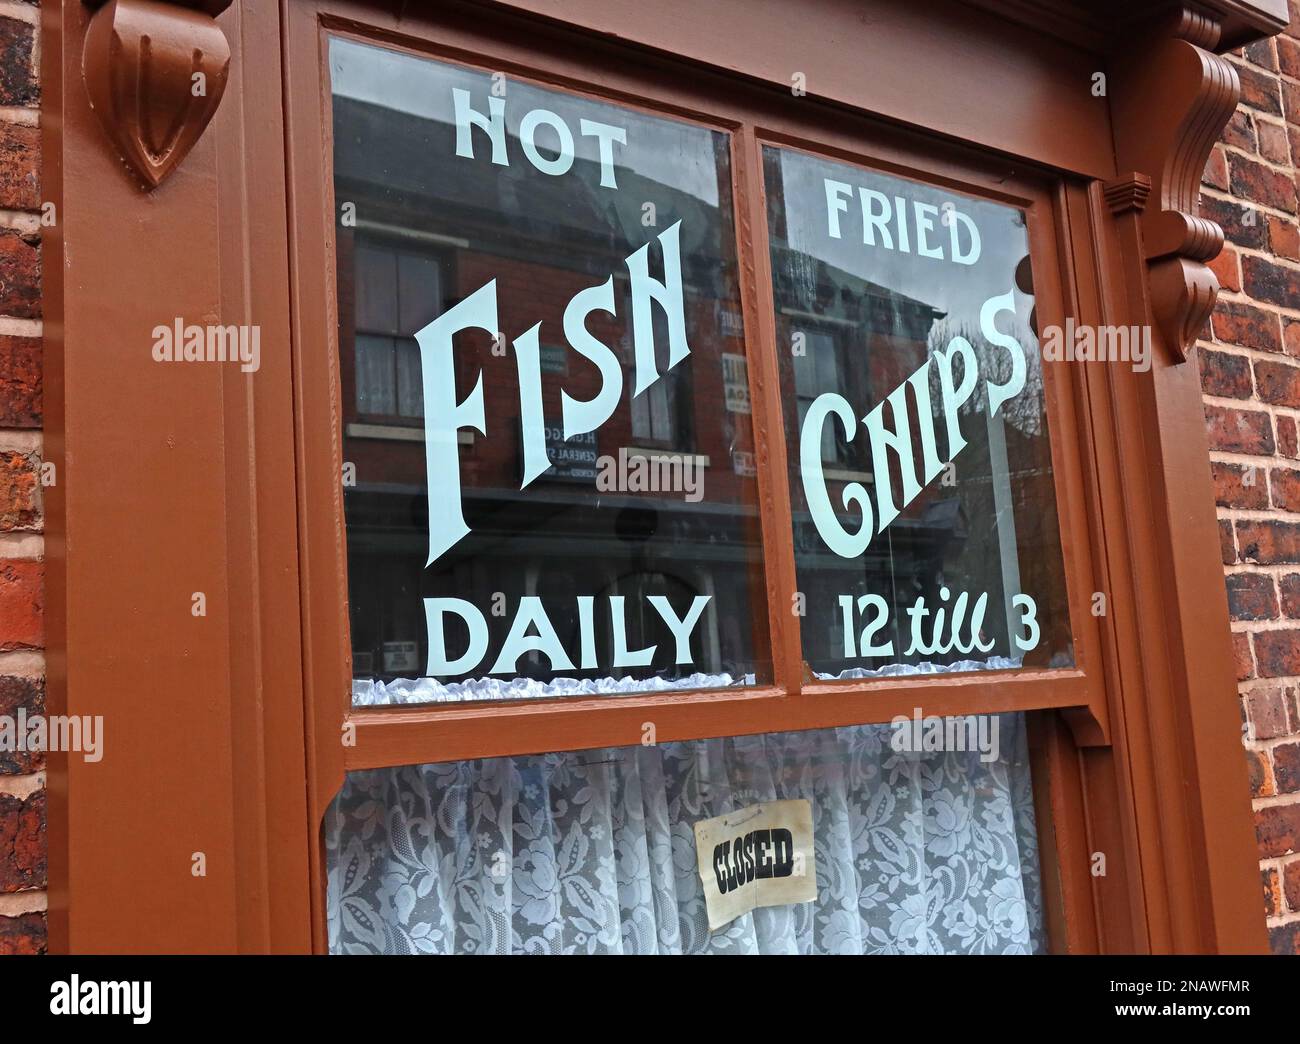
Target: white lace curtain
pixel 594 851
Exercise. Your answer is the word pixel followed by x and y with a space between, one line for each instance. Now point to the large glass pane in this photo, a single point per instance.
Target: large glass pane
pixel 925 520
pixel 550 486
pixel 911 846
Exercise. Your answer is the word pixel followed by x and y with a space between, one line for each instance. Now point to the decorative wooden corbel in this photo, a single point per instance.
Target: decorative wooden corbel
pixel 155 73
pixel 1171 97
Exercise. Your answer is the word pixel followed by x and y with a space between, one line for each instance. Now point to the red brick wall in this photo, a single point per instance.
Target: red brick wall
pixel 1250 374
pixel 22 662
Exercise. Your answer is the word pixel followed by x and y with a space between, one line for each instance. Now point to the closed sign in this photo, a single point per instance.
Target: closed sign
pixel 761 855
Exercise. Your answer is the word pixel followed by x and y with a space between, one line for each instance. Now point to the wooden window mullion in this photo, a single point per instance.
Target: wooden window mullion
pixel 767 417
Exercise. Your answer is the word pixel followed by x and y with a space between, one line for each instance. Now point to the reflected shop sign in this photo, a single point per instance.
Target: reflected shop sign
pixel 913 432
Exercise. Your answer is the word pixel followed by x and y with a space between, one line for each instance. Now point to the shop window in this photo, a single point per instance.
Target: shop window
pixel 566 401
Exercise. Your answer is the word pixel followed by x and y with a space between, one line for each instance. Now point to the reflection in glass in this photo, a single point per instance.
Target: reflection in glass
pixel 925 520
pixel 547 556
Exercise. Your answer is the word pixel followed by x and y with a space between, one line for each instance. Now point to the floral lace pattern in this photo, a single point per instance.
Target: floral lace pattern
pixel 367 692
pixel 375 692
pixel 594 851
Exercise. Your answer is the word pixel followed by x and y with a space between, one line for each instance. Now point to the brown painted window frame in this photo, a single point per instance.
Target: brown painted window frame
pixel 393 736
pixel 1142 762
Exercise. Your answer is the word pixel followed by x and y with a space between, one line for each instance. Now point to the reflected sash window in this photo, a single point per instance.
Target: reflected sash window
pixel 395 292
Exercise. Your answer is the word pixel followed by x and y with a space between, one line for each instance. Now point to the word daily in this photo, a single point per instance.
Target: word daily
pixel 531 617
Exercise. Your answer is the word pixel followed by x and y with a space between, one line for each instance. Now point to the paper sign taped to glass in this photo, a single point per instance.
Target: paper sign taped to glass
pixel 761 855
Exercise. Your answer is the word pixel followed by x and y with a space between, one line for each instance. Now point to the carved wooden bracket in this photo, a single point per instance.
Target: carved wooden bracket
pixel 1171 97
pixel 155 73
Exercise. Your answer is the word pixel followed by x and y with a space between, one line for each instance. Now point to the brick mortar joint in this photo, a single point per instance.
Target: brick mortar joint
pixel 1244 250
pixel 25 901
pixel 1266 804
pixel 1227 196
pixel 1286 169
pixel 1248 351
